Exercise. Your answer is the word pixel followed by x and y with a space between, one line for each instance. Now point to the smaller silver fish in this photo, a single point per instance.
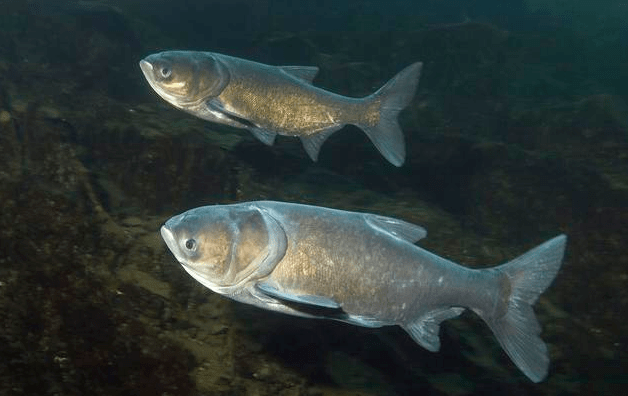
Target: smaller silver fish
pixel 270 100
pixel 362 269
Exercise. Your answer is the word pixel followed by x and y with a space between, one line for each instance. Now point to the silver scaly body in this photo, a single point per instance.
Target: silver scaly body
pixel 270 100
pixel 362 269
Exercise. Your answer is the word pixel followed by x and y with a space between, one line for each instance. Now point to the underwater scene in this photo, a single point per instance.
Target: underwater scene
pixel 313 198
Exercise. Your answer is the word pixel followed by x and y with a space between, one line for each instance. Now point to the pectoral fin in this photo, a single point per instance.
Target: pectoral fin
pixel 270 289
pixel 216 112
pixel 217 108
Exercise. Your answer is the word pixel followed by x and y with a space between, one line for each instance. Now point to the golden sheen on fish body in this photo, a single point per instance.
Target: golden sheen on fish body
pixel 362 269
pixel 270 100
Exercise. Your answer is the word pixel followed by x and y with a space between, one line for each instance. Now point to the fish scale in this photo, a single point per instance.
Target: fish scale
pixel 279 100
pixel 362 269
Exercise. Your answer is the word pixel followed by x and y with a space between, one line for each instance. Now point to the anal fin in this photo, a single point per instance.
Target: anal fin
pixel 426 328
pixel 313 143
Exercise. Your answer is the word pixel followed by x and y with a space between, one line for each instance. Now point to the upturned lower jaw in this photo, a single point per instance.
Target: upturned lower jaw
pixel 146 67
pixel 168 237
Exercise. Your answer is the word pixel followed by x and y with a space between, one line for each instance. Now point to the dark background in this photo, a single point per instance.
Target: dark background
pixel 518 132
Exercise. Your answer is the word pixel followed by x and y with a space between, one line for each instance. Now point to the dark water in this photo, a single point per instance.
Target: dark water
pixel 518 132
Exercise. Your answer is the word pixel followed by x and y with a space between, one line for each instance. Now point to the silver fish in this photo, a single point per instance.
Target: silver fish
pixel 270 100
pixel 362 269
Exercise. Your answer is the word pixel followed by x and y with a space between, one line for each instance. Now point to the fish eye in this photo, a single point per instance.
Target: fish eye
pixel 190 244
pixel 165 71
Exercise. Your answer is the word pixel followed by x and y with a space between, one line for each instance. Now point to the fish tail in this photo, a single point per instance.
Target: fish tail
pixel 393 97
pixel 512 320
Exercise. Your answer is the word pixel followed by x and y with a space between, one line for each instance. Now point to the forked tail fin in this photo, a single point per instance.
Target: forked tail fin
pixel 516 327
pixel 386 135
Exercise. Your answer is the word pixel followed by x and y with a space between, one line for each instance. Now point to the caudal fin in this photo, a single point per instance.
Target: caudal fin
pixel 394 97
pixel 516 328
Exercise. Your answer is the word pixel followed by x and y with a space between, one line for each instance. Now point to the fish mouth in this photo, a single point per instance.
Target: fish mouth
pixel 146 67
pixel 168 237
pixel 171 242
pixel 147 70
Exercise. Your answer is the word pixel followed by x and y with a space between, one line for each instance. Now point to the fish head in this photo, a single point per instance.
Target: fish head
pixel 225 247
pixel 185 78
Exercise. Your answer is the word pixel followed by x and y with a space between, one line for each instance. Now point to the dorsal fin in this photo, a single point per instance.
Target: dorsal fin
pixel 305 73
pixel 398 228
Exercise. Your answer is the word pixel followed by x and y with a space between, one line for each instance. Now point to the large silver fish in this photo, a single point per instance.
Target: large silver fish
pixel 362 269
pixel 270 100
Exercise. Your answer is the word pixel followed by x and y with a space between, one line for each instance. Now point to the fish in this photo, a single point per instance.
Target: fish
pixel 279 100
pixel 363 269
